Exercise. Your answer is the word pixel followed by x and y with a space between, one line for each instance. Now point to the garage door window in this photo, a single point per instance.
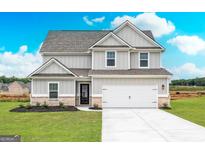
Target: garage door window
pixel 144 60
pixel 110 58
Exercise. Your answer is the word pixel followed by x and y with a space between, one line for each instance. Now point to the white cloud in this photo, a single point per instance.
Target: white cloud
pixel 190 45
pixel 87 21
pixel 147 21
pixel 91 22
pixel 188 70
pixel 19 64
pixel 23 49
pixel 100 19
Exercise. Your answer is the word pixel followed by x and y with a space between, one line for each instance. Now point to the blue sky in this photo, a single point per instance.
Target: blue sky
pixel 182 34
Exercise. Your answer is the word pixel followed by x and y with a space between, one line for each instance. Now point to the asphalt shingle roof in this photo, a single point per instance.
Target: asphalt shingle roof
pixel 75 41
pixel 154 71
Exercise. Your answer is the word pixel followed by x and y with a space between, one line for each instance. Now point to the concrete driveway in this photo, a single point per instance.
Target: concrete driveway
pixel 148 125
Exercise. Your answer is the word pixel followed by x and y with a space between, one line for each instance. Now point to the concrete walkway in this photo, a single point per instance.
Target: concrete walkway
pixel 86 108
pixel 148 125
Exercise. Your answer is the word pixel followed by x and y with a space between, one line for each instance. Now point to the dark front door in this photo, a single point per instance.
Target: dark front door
pixel 84 93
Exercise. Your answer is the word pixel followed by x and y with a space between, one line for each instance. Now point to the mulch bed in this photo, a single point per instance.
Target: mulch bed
pixel 93 108
pixel 44 109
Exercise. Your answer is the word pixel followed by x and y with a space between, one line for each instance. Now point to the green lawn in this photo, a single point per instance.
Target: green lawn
pixel 192 109
pixel 77 126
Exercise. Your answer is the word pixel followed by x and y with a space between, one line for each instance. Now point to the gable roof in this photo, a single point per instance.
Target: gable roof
pixel 143 34
pixel 77 41
pixel 114 36
pixel 38 70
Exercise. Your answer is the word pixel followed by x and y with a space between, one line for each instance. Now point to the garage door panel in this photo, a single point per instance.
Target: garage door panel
pixel 130 96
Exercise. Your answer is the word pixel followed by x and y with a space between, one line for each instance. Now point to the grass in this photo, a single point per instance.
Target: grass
pixel 77 126
pixel 192 109
pixel 187 88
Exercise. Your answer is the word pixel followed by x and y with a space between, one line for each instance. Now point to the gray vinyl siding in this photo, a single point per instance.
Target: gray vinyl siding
pixel 134 60
pixel 111 41
pixel 98 83
pixel 99 60
pixel 40 86
pixel 73 61
pixel 53 68
pixel 154 60
pixel 133 38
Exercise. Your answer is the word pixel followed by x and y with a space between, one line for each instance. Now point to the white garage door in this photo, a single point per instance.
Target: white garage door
pixel 130 96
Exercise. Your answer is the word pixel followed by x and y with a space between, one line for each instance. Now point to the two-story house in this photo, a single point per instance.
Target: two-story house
pixel 118 68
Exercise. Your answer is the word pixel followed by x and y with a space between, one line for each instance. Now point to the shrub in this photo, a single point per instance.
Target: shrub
pixel 45 105
pixel 61 104
pixel 38 104
pixel 21 106
pixel 166 106
pixel 96 106
pixel 28 106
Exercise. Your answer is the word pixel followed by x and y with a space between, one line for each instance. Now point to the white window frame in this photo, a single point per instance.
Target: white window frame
pixel 107 58
pixel 148 60
pixel 49 90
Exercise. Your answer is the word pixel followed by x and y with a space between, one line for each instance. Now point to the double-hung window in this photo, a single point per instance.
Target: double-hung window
pixel 53 90
pixel 110 58
pixel 144 60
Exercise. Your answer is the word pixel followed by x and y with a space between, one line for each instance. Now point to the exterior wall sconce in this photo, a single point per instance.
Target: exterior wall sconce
pixel 163 86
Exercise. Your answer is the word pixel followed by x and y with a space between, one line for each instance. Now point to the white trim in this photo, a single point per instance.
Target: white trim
pixel 65 53
pixel 106 58
pixel 47 63
pixel 49 89
pixel 92 58
pixel 31 87
pixel 136 30
pixel 97 95
pixel 67 95
pixel 55 77
pixel 148 63
pixel 107 36
pixel 128 60
pixel 60 95
pixel 131 76
pixel 160 57
pixel 39 95
pixel 163 95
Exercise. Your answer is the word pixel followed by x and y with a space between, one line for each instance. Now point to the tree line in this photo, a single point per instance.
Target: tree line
pixel 189 82
pixel 4 79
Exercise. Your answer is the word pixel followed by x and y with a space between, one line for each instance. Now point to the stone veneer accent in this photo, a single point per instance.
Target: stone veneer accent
pixel 97 100
pixel 162 101
pixel 65 100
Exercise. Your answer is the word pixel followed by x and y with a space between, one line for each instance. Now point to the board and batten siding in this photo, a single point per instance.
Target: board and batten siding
pixel 98 83
pixel 72 61
pixel 40 87
pixel 99 60
pixel 133 38
pixel 53 68
pixel 154 60
pixel 111 41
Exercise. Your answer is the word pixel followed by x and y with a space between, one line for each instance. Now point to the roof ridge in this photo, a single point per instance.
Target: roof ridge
pixel 81 30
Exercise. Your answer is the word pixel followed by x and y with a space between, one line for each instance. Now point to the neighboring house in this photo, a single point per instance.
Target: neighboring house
pixel 3 88
pixel 119 68
pixel 18 88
